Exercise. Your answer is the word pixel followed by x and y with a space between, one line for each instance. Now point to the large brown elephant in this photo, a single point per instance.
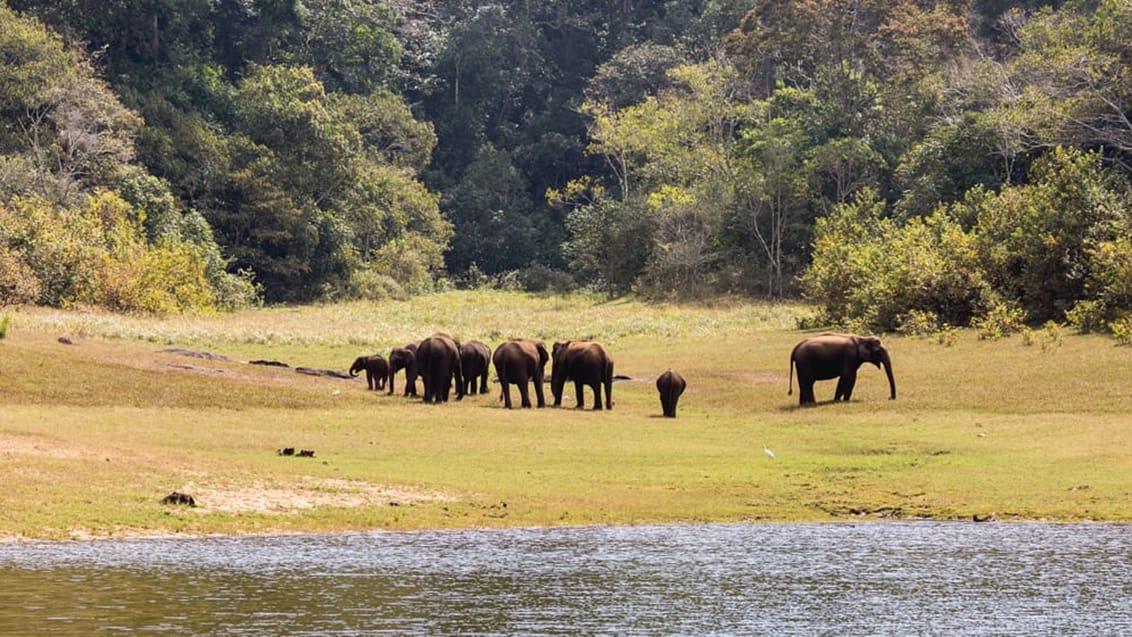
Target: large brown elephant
pixel 404 358
pixel 838 356
pixel 519 362
pixel 586 363
pixel 438 362
pixel 376 369
pixel 671 385
pixel 475 361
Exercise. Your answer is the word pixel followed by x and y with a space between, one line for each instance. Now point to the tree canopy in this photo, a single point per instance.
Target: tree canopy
pixel 855 152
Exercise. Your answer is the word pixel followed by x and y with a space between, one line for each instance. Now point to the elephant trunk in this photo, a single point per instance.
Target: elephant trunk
pixel 557 383
pixel 888 371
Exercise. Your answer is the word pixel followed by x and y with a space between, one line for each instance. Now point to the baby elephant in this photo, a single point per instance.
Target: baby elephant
pixel 376 368
pixel 670 384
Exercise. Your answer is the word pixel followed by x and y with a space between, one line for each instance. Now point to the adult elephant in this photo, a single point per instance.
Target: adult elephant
pixel 586 363
pixel 520 362
pixel 475 361
pixel 438 362
pixel 376 369
pixel 671 385
pixel 838 356
pixel 404 358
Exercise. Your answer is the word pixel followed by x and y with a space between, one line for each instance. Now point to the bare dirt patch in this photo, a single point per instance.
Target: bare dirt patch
pixel 308 494
pixel 37 447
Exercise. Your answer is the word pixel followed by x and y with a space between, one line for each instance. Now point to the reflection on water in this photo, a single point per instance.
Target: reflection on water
pixel 837 579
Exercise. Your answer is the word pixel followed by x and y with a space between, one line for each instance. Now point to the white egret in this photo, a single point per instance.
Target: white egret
pixel 768 452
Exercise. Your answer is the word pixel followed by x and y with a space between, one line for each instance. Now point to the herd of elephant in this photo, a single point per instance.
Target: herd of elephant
pixel 441 361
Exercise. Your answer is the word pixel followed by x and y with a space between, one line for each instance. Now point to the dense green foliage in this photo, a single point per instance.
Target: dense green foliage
pixel 948 161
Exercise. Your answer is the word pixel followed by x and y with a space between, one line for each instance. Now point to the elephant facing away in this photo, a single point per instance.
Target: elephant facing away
pixel 404 358
pixel 838 356
pixel 475 361
pixel 520 362
pixel 671 385
pixel 376 369
pixel 438 362
pixel 586 363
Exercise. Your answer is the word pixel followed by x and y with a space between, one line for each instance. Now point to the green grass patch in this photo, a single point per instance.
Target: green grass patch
pixel 93 434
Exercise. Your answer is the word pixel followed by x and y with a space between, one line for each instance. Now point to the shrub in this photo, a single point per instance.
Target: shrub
pixel 373 286
pixel 1087 316
pixel 918 323
pixel 1003 319
pixel 868 269
pixel 1122 329
pixel 540 278
pixel 4 321
pixel 1039 242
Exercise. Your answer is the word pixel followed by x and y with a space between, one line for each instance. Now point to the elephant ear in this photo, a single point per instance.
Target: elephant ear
pixel 543 357
pixel 869 348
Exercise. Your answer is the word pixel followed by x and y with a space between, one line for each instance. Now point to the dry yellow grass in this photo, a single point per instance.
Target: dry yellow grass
pixel 92 435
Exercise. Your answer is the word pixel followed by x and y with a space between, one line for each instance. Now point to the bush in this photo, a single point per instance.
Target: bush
pixel 1122 329
pixel 918 323
pixel 1057 247
pixel 1002 320
pixel 1042 243
pixel 869 270
pixel 97 254
pixel 1087 316
pixel 540 278
pixel 4 321
pixel 374 286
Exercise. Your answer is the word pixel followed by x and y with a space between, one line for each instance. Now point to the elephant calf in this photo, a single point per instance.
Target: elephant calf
pixel 404 358
pixel 671 385
pixel 376 368
pixel 837 356
pixel 475 361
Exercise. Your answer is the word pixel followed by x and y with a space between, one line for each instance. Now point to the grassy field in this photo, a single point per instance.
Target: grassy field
pixel 94 434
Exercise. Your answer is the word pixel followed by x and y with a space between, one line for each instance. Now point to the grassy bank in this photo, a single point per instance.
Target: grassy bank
pixel 93 434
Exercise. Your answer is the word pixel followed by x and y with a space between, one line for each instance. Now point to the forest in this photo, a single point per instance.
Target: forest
pixel 900 164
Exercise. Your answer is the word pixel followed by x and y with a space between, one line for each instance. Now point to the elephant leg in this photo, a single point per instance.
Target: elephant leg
pixel 505 388
pixel 845 386
pixel 579 396
pixel 597 396
pixel 483 383
pixel 537 380
pixel 805 391
pixel 525 394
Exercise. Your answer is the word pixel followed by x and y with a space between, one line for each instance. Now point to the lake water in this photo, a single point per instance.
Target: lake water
pixel 918 578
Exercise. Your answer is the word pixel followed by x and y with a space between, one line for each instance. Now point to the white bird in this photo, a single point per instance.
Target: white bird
pixel 768 452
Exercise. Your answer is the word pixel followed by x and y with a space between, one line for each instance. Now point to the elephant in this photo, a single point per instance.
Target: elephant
pixel 475 361
pixel 520 361
pixel 404 358
pixel 670 384
pixel 586 363
pixel 438 361
pixel 829 355
pixel 376 368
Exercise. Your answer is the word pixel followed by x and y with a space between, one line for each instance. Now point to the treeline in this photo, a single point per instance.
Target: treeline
pixel 896 161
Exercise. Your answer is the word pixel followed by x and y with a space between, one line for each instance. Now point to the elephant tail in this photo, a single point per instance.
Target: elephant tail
pixel 790 385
